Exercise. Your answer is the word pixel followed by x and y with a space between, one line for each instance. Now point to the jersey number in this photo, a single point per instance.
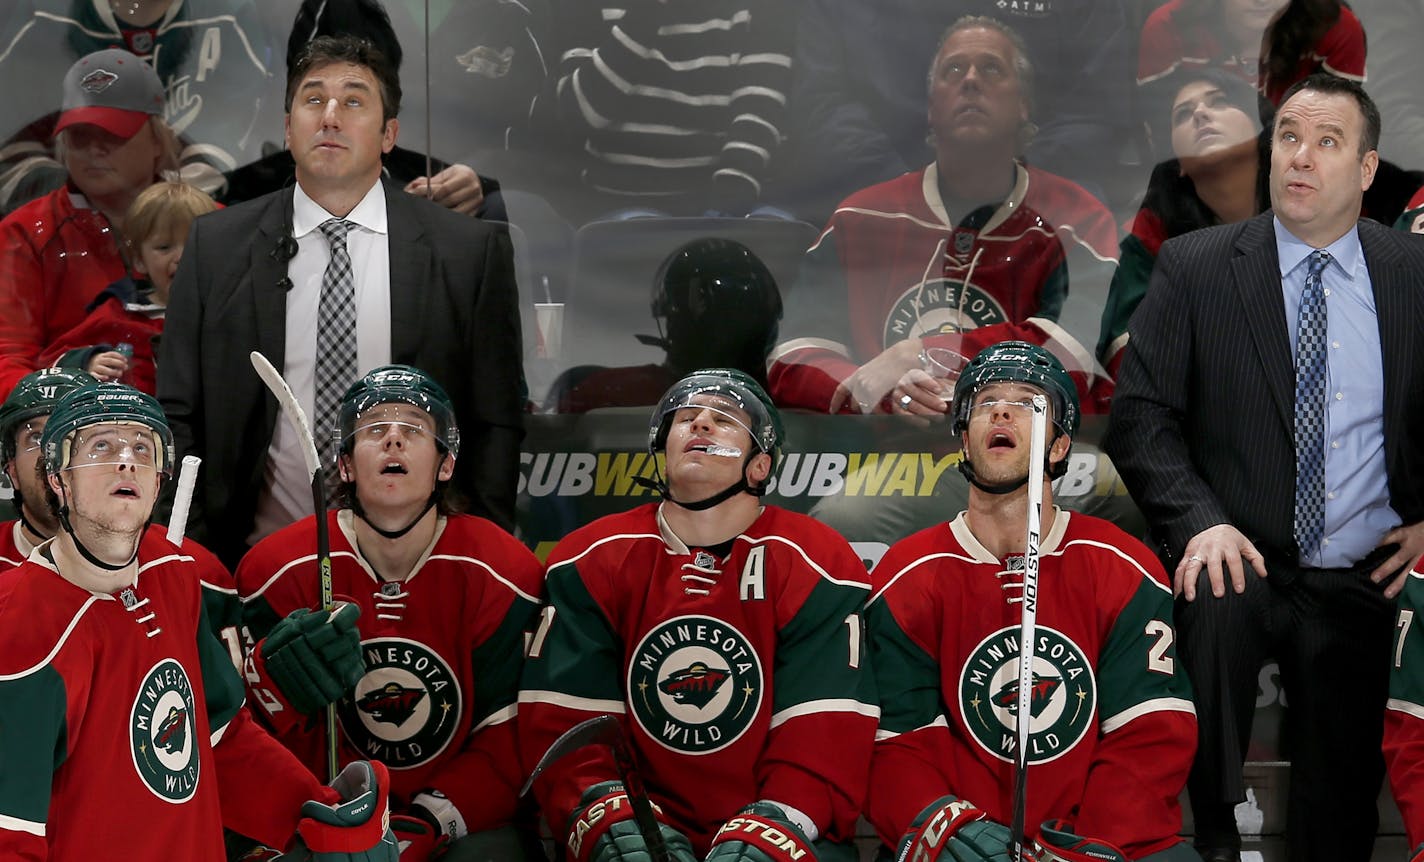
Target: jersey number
pixel 546 619
pixel 853 623
pixel 1157 659
pixel 1406 618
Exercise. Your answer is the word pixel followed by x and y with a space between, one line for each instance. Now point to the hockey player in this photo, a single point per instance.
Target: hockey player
pixel 22 422
pixel 120 715
pixel 1404 717
pixel 725 635
pixel 429 684
pixel 1112 727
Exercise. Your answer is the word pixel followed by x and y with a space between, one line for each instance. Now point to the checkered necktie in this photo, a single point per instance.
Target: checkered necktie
pixel 335 341
pixel 1310 400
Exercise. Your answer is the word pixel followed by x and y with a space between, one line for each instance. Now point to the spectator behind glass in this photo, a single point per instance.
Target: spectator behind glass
pixel 117 341
pixel 58 251
pixel 974 249
pixel 859 116
pixel 1213 177
pixel 1269 44
pixel 456 187
pixel 717 306
pixel 676 108
pixel 212 57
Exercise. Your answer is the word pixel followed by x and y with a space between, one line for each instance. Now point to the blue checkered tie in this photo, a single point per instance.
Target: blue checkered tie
pixel 335 341
pixel 1310 401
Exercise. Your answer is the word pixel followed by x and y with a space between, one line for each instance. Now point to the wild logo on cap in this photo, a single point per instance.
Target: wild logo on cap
pixel 98 81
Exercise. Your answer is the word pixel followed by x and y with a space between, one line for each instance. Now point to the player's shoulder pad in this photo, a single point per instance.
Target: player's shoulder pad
pixel 40 614
pixel 1097 538
pixel 278 553
pixel 908 555
pixel 485 547
pixel 606 537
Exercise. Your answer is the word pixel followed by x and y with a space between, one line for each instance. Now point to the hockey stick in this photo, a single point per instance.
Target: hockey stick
pixel 183 499
pixel 297 418
pixel 1023 717
pixel 605 730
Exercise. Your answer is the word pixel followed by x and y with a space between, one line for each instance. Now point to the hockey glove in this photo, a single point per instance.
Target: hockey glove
pixel 953 830
pixel 417 838
pixel 1057 843
pixel 760 833
pixel 314 657
pixel 604 830
pixel 358 828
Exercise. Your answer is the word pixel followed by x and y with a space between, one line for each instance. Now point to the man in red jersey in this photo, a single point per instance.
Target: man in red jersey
pixel 426 682
pixel 120 713
pixel 978 246
pixel 725 635
pixel 1112 728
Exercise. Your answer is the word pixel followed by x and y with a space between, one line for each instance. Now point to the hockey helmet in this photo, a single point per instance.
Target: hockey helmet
pixel 398 384
pixel 737 387
pixel 716 304
pixel 35 395
pixel 1018 362
pixel 104 404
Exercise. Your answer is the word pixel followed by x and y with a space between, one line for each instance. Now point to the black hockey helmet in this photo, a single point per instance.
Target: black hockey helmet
pixel 716 304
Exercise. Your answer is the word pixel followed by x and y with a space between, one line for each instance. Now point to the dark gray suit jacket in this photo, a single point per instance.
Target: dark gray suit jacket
pixel 454 314
pixel 1202 421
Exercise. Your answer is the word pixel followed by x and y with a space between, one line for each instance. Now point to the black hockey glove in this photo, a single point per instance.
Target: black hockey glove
pixel 314 657
pixel 760 833
pixel 604 830
pixel 1058 843
pixel 953 830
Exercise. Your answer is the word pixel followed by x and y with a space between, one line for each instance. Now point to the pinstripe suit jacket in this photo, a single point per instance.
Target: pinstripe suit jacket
pixel 1201 424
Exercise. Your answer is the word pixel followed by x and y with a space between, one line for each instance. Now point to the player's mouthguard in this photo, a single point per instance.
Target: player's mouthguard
pixel 724 451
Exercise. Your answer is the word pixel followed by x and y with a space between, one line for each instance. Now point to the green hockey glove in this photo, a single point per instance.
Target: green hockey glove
pixel 356 829
pixel 604 830
pixel 314 657
pixel 953 830
pixel 760 832
pixel 1058 843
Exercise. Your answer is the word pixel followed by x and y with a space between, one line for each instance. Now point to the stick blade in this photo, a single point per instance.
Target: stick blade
pixel 291 407
pixel 599 730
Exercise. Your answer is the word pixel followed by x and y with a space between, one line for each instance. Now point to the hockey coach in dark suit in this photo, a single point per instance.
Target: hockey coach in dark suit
pixel 1267 422
pixel 329 278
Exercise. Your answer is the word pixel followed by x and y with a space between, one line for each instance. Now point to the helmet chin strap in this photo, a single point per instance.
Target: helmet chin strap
pixel 1051 470
pixel 661 486
pixel 85 552
pixel 360 511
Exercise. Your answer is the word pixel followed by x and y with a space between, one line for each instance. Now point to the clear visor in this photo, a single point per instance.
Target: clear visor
pixel 108 445
pixel 28 436
pixel 406 421
pixel 722 409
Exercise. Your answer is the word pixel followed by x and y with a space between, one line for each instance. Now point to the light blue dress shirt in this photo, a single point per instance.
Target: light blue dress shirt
pixel 1357 510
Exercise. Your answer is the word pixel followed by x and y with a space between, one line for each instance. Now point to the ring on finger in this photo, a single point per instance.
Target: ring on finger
pixel 1194 559
pixel 905 400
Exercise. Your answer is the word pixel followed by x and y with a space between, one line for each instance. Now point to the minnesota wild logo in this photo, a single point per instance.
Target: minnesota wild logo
pixel 1063 698
pixel 161 732
pixel 941 305
pixel 406 709
pixel 695 684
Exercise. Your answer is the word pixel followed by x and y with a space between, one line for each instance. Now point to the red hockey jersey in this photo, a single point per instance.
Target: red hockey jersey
pixel 873 278
pixel 736 679
pixel 1404 717
pixel 120 715
pixel 443 652
pixel 219 593
pixel 1113 727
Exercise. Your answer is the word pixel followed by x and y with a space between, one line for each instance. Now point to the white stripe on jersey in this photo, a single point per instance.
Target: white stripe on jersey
pixel 939 721
pixel 15 824
pixel 1405 707
pixel 42 663
pixel 567 701
pixel 812 707
pixel 1161 704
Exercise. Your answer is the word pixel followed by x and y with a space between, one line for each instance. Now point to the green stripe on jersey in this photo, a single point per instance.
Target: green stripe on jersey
pixel 820 652
pixel 1406 674
pixel 1138 662
pixel 33 742
pixel 907 677
pixel 580 655
pixel 498 661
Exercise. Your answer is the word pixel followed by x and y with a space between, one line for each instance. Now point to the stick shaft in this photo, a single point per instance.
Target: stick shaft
pixel 1023 716
pixel 328 603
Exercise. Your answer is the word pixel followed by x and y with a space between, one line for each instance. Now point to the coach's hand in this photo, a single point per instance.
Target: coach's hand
pixel 1223 551
pixel 1410 539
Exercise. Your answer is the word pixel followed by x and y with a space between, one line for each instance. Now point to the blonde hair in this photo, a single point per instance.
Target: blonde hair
pixel 165 208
